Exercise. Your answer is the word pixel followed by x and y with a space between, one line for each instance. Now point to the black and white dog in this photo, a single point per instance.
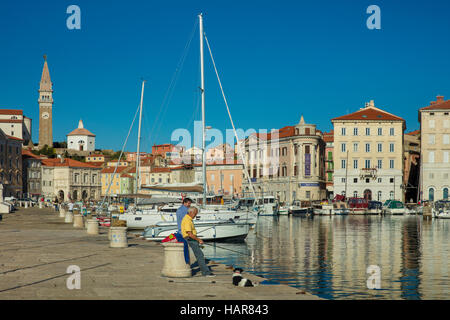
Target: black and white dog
pixel 240 281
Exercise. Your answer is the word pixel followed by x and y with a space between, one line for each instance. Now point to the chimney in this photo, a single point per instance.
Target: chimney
pixel 439 99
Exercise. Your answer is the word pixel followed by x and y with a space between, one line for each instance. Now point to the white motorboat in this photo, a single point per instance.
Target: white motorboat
pixel 394 207
pixel 441 209
pixel 267 205
pixel 283 211
pixel 208 230
pixel 296 209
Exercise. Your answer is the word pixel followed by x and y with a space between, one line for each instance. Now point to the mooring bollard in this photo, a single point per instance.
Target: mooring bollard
pixel 92 226
pixel 174 264
pixel 62 211
pixel 78 221
pixel 68 217
pixel 118 237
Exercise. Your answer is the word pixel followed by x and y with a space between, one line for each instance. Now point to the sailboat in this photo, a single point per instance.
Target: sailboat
pixel 214 222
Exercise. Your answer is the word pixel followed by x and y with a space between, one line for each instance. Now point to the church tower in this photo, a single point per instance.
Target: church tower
pixel 45 108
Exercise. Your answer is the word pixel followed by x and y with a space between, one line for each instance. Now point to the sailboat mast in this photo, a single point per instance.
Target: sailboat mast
pixel 202 89
pixel 138 185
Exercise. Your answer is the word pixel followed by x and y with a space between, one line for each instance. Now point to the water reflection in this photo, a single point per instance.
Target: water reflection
pixel 329 256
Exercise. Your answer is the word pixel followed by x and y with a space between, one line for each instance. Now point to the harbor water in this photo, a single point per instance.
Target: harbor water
pixel 329 256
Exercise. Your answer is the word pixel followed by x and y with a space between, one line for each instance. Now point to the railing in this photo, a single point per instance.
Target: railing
pixel 368 173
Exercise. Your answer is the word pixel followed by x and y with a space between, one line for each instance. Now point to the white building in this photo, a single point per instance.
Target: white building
pixel 13 123
pixel 368 154
pixel 81 139
pixel 435 150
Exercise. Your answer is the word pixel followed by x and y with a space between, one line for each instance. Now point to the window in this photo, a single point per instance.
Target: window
pixel 391 131
pixel 343 164
pixel 379 181
pixel 391 164
pixel 391 147
pixel 391 180
pixel 355 131
pixel 355 164
pixel 391 195
pixel 431 139
pixel 212 177
pixel 446 139
pixel 431 157
pixel 308 194
pixel 380 131
pixel 367 180
pixel 343 180
pixel 355 180
pixel 284 151
pixel 342 131
pixel 431 123
pixel 355 194
pixel 379 195
pixel 380 164
pixel 367 163
pixel 343 147
pixel 367 147
pixel 431 175
pixel 445 156
pixel 446 123
pixel 367 131
pixel 445 194
pixel 355 147
pixel 159 180
pixel 431 194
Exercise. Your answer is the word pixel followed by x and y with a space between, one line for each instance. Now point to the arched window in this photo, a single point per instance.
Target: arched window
pixel 355 194
pixel 431 194
pixel 379 195
pixel 445 194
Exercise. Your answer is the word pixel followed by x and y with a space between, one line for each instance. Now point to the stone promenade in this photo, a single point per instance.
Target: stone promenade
pixel 37 247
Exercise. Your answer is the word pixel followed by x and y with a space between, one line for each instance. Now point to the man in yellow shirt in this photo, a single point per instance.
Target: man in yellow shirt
pixel 190 234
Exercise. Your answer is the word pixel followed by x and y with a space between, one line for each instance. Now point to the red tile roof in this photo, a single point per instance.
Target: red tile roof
pixel 124 175
pixel 369 113
pixel 413 133
pixel 160 170
pixel 328 136
pixel 14 138
pixel 56 162
pixel 11 112
pixel 439 104
pixel 111 169
pixel 284 132
pixel 81 132
pixel 28 153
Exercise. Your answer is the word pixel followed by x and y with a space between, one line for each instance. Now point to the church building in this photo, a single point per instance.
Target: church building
pixel 81 139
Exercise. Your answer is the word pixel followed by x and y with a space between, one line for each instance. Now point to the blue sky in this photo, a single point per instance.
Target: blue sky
pixel 277 59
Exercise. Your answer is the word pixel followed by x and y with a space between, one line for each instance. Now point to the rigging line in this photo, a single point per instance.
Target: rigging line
pixel 120 156
pixel 196 106
pixel 174 78
pixel 231 119
pixel 216 246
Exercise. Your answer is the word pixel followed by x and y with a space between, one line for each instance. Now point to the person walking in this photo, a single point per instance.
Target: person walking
pixel 182 211
pixel 71 206
pixel 190 235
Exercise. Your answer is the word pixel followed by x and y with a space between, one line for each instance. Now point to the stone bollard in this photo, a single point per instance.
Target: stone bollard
pixel 62 211
pixel 68 218
pixel 40 204
pixel 26 204
pixel 78 221
pixel 174 264
pixel 118 237
pixel 92 226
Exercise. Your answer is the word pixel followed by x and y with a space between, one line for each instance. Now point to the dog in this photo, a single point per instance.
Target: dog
pixel 240 281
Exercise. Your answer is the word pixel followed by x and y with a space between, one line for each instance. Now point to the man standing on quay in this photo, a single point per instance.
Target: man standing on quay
pixel 190 235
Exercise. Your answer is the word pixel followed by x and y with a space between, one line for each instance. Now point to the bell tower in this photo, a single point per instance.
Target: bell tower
pixel 45 108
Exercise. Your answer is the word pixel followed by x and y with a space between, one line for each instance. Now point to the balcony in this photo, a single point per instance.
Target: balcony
pixel 370 173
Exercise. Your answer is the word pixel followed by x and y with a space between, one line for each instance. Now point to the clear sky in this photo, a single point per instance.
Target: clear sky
pixel 277 59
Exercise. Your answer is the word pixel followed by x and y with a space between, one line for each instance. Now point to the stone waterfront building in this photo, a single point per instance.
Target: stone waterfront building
pixel 31 178
pixel 435 150
pixel 45 108
pixel 368 154
pixel 69 179
pixel 11 165
pixel 287 163
pixel 328 138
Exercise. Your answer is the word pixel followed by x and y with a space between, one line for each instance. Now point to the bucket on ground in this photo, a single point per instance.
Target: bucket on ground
pixel 118 237
pixel 174 264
